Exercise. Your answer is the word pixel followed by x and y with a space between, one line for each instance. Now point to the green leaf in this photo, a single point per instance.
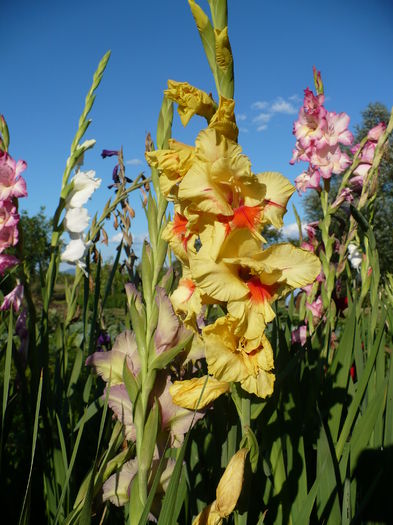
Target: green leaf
pixel 7 371
pixel 149 437
pixel 206 32
pixel 131 382
pixel 23 518
pixel 361 387
pixel 340 367
pixel 162 360
pixel 164 125
pixel 366 423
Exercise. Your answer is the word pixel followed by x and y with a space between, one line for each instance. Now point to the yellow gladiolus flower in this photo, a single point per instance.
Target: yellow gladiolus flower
pixel 186 300
pixel 278 192
pixel 224 120
pixel 191 101
pixel 223 49
pixel 229 360
pixel 180 239
pixel 249 280
pixel 198 392
pixel 227 493
pixel 173 164
pixel 219 177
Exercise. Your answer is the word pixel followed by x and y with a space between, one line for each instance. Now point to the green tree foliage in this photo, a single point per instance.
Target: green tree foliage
pixel 381 214
pixel 35 241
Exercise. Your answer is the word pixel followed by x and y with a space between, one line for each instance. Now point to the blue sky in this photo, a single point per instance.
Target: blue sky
pixel 50 51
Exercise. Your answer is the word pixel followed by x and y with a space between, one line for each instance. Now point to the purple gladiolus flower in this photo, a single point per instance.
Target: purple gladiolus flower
pixel 109 153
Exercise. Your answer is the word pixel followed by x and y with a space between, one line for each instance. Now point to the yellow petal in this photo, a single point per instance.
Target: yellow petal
pixel 198 392
pixel 173 164
pixel 223 49
pixel 186 300
pixel 278 192
pixel 228 360
pixel 209 516
pixel 191 101
pixel 298 267
pixel 224 120
pixel 231 483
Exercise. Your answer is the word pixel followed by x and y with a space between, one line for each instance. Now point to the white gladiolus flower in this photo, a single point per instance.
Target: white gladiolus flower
pixel 76 220
pixel 84 185
pixel 354 256
pixel 74 251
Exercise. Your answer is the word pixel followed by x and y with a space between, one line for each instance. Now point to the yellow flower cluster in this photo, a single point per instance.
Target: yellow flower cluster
pixel 221 208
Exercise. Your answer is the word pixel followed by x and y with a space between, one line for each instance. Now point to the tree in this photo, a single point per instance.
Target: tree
pixel 35 241
pixel 381 215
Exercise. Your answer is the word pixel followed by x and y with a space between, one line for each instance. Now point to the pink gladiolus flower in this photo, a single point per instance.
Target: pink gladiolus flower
pixel 299 154
pixel 330 160
pixel 311 230
pixel 8 225
pixel 316 307
pixel 313 105
pixel 336 130
pixel 13 299
pixel 307 246
pixel 170 332
pixel 308 128
pixel 7 261
pixel 376 131
pixel 299 335
pixel 307 289
pixel 345 195
pixel 307 180
pixel 11 182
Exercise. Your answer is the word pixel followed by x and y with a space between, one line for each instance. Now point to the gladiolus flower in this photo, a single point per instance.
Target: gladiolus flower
pixel 316 307
pixel 76 220
pixel 224 120
pixel 299 335
pixel 249 280
pixel 7 261
pixel 229 361
pixel 191 101
pixel 84 185
pixel 13 299
pixel 109 153
pixel 12 184
pixel 308 180
pixel 173 164
pixel 198 392
pixel 227 493
pixel 354 256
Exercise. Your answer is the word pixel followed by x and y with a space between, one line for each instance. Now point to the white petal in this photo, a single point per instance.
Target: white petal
pixel 76 220
pixel 74 251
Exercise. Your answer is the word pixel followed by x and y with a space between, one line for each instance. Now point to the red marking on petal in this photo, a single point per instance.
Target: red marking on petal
pixel 190 285
pixel 179 225
pixel 272 203
pixel 246 217
pixel 260 292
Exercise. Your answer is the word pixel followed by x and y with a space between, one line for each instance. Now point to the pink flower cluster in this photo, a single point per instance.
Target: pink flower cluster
pixel 319 134
pixel 366 156
pixel 12 186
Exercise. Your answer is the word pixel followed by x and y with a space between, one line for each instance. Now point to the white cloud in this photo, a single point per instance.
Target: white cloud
pixel 262 128
pixel 295 98
pixel 243 130
pixel 262 117
pixel 260 104
pixel 292 230
pixel 134 162
pixel 241 116
pixel 138 238
pixel 116 238
pixel 283 106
